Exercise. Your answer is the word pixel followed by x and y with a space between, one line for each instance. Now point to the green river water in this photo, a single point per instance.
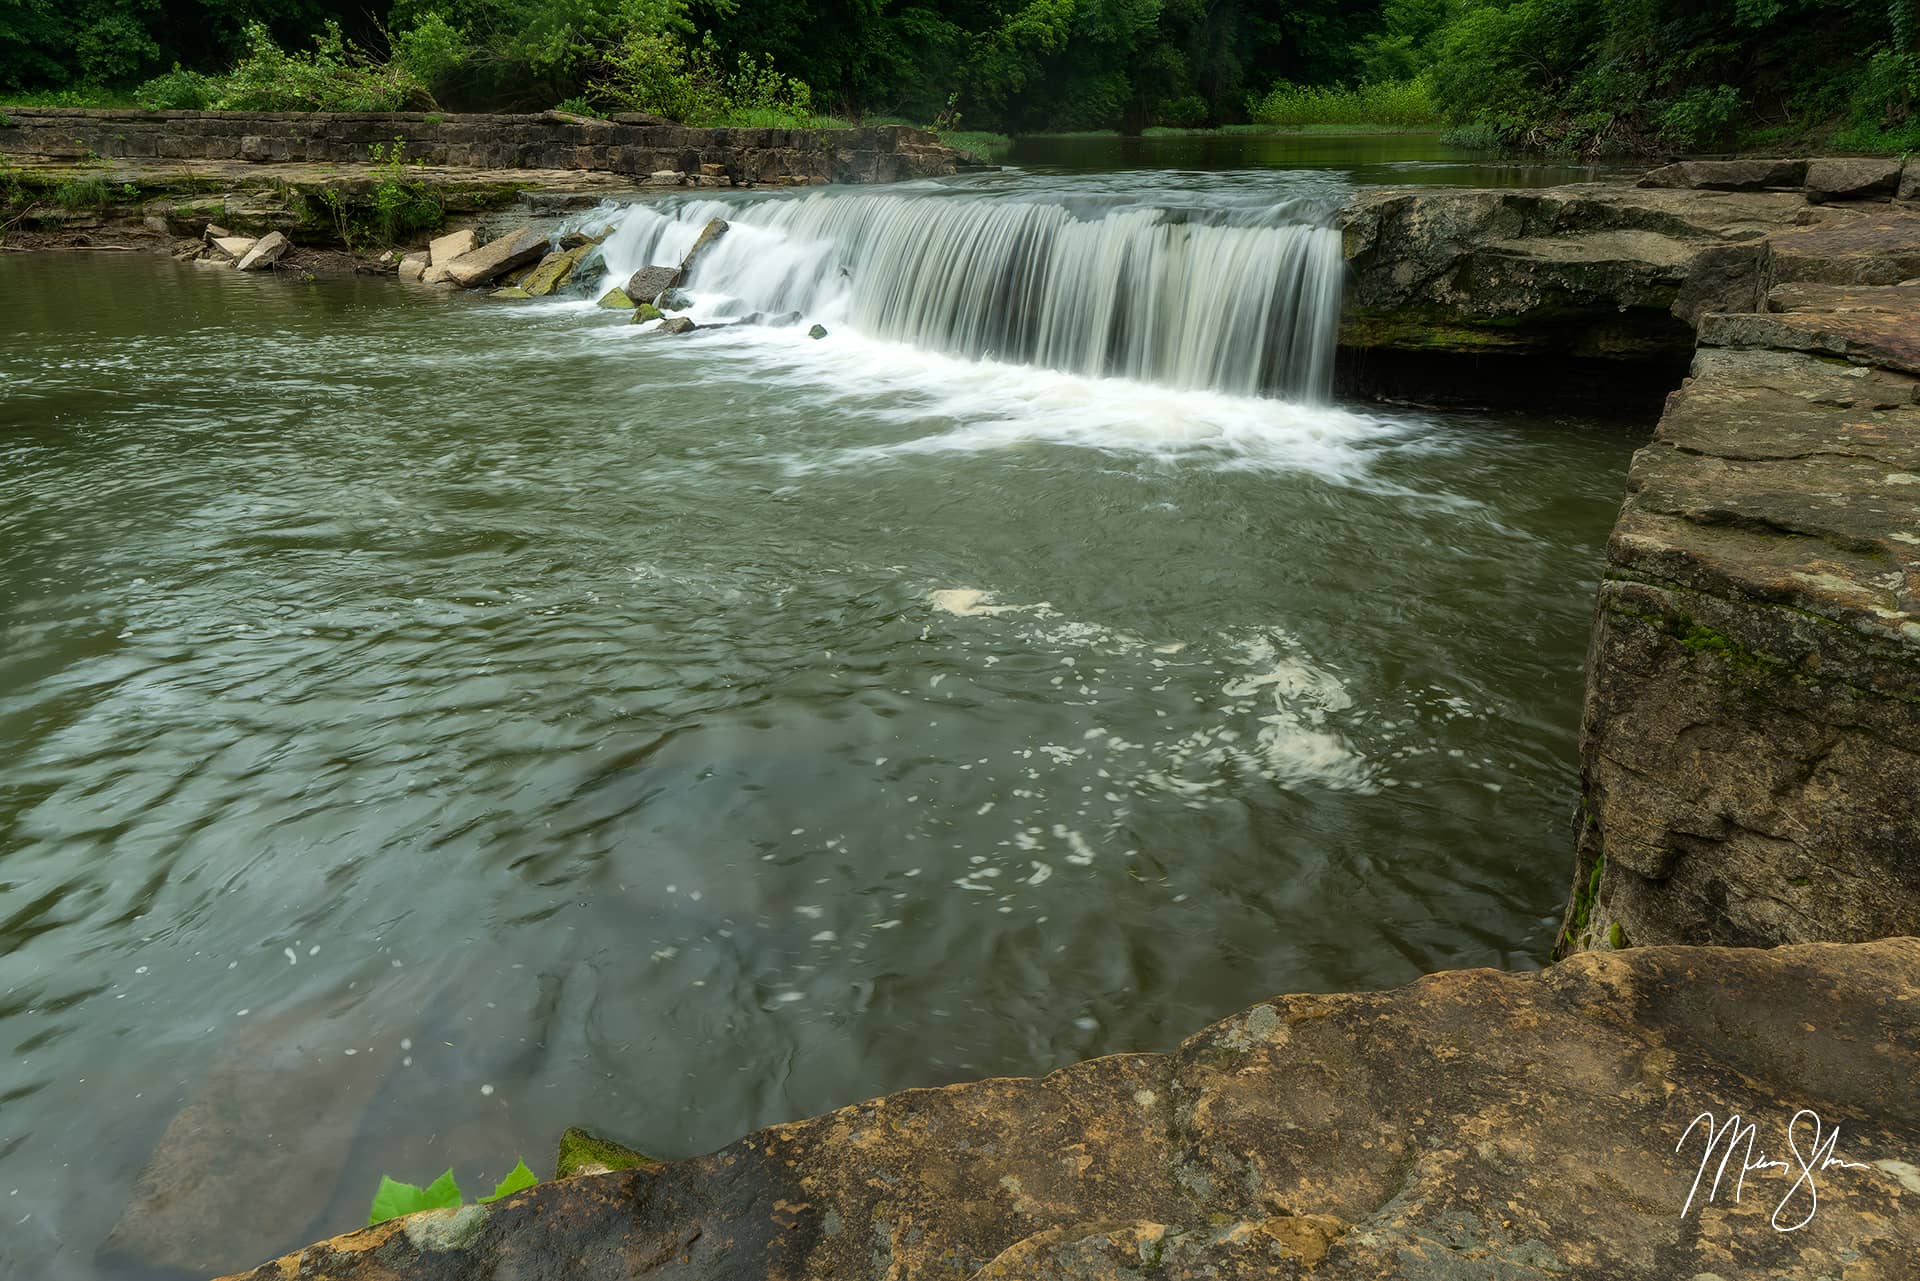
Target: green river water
pixel 429 723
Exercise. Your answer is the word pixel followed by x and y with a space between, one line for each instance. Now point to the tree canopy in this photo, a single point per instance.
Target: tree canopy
pixel 1580 75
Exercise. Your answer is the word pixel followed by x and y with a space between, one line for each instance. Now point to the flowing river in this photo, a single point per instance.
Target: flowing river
pixel 431 722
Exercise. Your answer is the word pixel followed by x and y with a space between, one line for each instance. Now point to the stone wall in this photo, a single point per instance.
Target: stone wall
pixel 634 145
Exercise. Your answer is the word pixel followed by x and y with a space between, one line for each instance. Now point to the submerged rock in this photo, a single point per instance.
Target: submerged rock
pixel 615 300
pixel 673 300
pixel 266 251
pixel 1473 1124
pixel 510 292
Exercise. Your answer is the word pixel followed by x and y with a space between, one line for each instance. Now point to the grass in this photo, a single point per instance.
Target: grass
pixel 977 144
pixel 1387 103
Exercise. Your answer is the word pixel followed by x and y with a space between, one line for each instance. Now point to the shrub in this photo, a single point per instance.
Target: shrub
pixel 333 76
pixel 1189 112
pixel 1701 116
pixel 177 90
pixel 654 72
pixel 1389 102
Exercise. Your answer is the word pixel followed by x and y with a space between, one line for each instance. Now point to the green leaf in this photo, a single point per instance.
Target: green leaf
pixel 396 1198
pixel 518 1177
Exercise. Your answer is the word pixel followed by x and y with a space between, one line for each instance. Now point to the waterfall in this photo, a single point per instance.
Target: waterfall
pixel 1233 301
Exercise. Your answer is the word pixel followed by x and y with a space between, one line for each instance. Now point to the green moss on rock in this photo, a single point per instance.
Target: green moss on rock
pixel 584 1153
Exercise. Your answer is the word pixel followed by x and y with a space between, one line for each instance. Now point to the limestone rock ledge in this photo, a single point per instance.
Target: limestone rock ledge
pixel 1473 1124
pixel 1751 736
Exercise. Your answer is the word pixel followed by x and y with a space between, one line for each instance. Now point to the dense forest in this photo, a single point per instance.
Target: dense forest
pixel 1589 76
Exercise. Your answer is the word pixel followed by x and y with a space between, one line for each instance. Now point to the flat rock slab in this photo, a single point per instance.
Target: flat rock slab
pixel 1860 245
pixel 1851 178
pixel 1473 1124
pixel 1728 175
pixel 266 251
pixel 497 257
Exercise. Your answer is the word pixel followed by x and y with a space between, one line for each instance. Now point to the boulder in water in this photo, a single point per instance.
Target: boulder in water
pixel 649 283
pixel 818 331
pixel 784 319
pixel 616 300
pixel 231 248
pixel 497 257
pixel 676 325
pixel 554 271
pixel 266 251
pixel 715 228
pixel 645 313
pixel 673 300
pixel 444 249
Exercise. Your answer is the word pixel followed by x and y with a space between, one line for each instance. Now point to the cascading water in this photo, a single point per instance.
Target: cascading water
pixel 1238 302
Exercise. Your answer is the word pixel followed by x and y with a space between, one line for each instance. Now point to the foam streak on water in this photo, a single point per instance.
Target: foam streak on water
pixel 1244 304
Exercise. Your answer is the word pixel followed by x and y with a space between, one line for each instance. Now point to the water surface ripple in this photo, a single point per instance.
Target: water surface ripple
pixel 536 722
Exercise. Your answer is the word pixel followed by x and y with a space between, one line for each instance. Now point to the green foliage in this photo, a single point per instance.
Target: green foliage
pixel 655 72
pixel 82 193
pixel 1586 76
pixel 178 90
pixel 394 1198
pixel 391 211
pixel 1402 102
pixel 332 76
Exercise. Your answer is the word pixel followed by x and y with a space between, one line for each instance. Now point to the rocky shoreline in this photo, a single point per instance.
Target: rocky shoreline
pixel 1474 1124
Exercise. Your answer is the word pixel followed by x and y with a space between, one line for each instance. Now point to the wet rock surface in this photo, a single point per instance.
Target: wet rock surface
pixel 1473 1124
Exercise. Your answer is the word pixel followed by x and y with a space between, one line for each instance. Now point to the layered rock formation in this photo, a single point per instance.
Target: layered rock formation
pixel 1589 294
pixel 1473 1124
pixel 1751 745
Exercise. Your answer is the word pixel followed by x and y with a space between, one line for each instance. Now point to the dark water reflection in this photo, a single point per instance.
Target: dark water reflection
pixel 429 724
pixel 1367 160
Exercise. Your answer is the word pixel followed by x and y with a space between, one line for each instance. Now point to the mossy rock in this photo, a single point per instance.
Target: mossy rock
pixel 645 312
pixel 510 293
pixel 818 331
pixel 617 300
pixel 584 1153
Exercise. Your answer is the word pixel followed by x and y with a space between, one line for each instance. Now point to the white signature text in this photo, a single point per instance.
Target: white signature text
pixel 1737 1136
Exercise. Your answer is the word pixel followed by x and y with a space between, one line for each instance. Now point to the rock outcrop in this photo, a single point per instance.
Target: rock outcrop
pixel 1591 293
pixel 1473 1124
pixel 1751 744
